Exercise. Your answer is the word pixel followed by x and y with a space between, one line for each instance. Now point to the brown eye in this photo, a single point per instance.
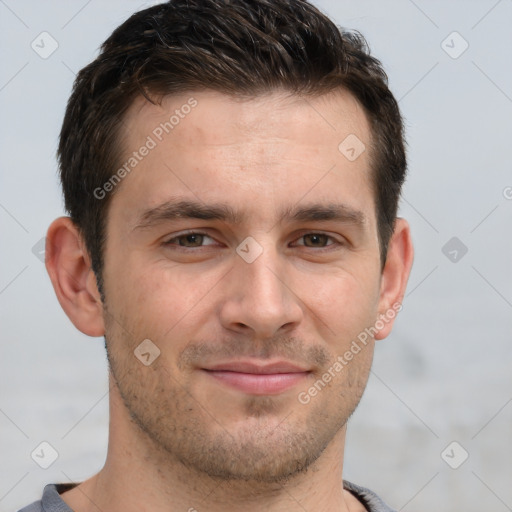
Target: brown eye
pixel 316 240
pixel 190 240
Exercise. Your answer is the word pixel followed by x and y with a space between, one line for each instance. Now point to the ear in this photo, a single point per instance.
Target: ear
pixel 74 282
pixel 395 276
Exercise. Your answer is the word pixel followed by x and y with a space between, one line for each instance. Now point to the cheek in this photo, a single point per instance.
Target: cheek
pixel 158 296
pixel 342 305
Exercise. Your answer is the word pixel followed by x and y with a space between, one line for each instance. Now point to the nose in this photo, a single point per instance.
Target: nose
pixel 259 298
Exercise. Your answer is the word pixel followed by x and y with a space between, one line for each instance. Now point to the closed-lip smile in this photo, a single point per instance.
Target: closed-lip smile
pixel 258 377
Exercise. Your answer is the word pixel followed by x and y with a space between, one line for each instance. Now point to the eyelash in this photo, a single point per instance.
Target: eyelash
pixel 170 241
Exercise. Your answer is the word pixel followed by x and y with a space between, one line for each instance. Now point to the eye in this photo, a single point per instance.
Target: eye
pixel 313 240
pixel 196 239
pixel 190 240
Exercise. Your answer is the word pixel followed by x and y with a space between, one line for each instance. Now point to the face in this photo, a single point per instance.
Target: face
pixel 243 244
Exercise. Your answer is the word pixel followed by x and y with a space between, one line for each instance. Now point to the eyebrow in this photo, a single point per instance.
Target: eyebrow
pixel 190 209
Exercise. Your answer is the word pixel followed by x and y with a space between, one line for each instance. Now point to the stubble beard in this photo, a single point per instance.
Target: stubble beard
pixel 271 446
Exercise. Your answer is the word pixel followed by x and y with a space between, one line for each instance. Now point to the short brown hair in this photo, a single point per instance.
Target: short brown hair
pixel 237 47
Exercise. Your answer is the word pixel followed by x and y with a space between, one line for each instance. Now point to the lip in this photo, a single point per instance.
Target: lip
pixel 260 368
pixel 258 378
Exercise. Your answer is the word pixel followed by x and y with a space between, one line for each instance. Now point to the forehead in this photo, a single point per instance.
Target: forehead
pixel 218 115
pixel 273 148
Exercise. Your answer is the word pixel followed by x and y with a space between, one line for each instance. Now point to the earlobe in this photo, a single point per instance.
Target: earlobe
pixel 74 282
pixel 395 276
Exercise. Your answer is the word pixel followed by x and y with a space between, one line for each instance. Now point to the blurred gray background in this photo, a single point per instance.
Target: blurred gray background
pixel 434 429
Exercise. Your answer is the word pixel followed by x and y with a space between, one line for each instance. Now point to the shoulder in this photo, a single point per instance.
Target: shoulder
pixel 33 507
pixel 51 500
pixel 372 502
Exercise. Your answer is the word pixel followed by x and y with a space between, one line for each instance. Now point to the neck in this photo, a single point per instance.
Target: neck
pixel 139 475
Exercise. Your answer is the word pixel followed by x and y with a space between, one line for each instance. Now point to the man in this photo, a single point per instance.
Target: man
pixel 232 171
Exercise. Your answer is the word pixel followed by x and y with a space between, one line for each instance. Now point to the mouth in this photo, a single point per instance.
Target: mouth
pixel 258 378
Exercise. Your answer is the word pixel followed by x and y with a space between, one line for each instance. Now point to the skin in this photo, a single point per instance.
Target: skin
pixel 181 439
